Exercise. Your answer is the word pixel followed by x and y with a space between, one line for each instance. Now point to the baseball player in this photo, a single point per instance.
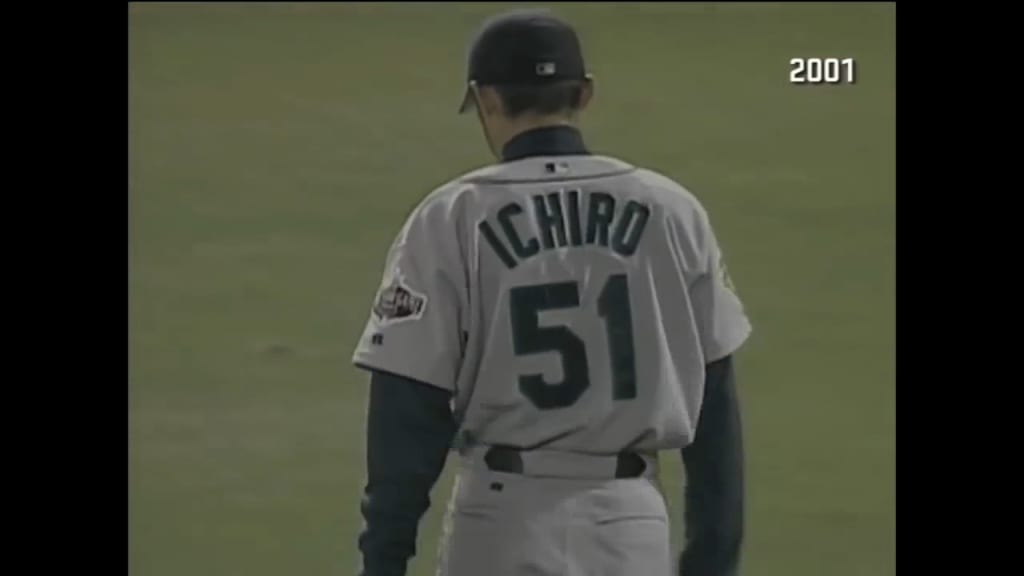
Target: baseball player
pixel 557 319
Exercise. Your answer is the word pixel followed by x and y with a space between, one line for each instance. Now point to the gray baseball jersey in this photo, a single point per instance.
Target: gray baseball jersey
pixel 568 302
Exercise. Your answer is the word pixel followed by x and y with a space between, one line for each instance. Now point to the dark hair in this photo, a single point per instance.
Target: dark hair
pixel 545 99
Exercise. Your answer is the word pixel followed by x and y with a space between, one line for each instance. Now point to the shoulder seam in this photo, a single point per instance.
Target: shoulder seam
pixel 485 180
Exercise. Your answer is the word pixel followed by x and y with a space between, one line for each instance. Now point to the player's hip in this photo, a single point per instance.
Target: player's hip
pixel 529 483
pixel 504 520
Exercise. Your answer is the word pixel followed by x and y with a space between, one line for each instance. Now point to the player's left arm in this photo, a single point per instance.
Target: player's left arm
pixel 408 434
pixel 412 346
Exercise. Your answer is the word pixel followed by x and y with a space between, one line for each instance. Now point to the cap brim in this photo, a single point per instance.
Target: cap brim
pixel 467 99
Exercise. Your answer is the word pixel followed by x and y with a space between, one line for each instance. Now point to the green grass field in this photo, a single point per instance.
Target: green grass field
pixel 276 149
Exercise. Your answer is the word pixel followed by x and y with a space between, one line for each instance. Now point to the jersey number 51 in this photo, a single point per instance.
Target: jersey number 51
pixel 528 337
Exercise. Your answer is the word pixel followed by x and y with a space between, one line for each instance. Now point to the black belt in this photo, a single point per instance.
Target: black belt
pixel 510 460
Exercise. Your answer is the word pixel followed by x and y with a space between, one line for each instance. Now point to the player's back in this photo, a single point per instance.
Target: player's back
pixel 580 329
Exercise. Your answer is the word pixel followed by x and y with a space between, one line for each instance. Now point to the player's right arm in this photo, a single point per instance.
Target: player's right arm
pixel 714 492
pixel 714 480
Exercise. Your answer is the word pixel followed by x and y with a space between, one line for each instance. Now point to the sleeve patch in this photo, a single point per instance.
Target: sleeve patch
pixel 727 280
pixel 723 275
pixel 398 302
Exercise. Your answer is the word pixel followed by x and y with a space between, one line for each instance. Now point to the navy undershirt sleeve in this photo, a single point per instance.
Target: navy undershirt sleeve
pixel 714 480
pixel 409 431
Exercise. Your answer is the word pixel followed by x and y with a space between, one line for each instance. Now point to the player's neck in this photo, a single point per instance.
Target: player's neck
pixel 527 123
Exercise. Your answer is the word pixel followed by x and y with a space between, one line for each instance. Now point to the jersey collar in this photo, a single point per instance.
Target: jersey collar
pixel 545 141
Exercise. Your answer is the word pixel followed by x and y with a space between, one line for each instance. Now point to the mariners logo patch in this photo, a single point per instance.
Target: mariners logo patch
pixel 723 273
pixel 397 302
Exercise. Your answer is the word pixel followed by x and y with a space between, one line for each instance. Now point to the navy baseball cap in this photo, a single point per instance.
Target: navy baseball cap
pixel 523 48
